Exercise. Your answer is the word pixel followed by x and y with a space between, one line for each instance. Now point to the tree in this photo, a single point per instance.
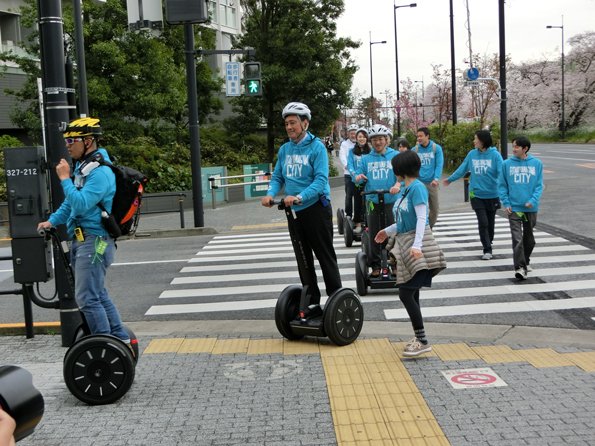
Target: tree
pixel 136 81
pixel 302 60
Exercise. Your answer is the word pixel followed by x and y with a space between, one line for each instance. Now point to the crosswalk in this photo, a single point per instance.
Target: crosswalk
pixel 244 272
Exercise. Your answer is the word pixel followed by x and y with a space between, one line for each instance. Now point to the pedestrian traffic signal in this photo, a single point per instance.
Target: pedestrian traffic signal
pixel 252 79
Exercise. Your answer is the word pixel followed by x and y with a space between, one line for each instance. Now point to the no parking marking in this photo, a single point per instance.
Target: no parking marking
pixel 464 379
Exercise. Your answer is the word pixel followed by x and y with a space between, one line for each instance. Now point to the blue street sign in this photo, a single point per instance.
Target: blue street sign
pixel 472 74
pixel 232 78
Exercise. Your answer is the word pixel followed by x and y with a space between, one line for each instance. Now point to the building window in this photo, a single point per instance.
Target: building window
pixel 213 11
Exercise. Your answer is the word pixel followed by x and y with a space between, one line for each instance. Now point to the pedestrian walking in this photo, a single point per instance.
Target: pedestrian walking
pixel 432 160
pixel 484 163
pixel 520 187
pixel 346 146
pixel 418 256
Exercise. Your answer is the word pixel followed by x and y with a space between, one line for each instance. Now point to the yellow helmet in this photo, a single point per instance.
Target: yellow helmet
pixel 83 127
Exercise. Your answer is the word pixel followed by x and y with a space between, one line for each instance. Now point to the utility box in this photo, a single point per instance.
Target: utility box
pixel 27 192
pixel 185 12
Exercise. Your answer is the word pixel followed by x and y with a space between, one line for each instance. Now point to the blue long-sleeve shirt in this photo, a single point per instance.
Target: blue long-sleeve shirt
pixel 303 169
pixel 485 170
pixel 379 171
pixel 431 163
pixel 521 182
pixel 79 208
pixel 353 162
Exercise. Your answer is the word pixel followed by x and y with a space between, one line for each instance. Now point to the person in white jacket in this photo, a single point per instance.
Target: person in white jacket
pixel 346 147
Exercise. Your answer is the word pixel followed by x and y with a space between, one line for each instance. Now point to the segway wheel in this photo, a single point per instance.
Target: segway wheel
pixel 340 218
pixel 348 232
pixel 343 317
pixel 286 310
pixel 83 330
pixel 99 369
pixel 361 276
pixel 367 247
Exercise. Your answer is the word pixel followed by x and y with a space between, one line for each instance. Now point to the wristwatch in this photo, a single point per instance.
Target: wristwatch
pixel 299 197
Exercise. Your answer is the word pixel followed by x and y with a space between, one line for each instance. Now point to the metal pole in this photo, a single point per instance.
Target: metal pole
pixel 181 203
pixel 563 119
pixel 371 76
pixel 452 67
pixel 397 70
pixel 193 127
pixel 81 70
pixel 29 328
pixel 51 42
pixel 503 116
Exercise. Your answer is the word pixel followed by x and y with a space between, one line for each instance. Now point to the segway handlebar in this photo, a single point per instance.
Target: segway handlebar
pixel 281 202
pixel 376 192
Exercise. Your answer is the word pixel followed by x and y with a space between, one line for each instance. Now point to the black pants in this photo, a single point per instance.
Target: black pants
pixel 314 226
pixel 349 191
pixel 375 226
pixel 410 299
pixel 485 209
pixel 358 205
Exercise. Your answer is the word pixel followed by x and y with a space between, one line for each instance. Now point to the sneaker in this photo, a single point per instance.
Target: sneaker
pixel 529 268
pixel 375 273
pixel 521 273
pixel 410 343
pixel 416 348
pixel 357 230
pixel 486 256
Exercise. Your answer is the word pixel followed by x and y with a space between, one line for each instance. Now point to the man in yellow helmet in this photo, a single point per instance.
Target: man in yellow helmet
pixel 92 249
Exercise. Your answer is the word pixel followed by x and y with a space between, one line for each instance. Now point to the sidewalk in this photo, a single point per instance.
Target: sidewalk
pixel 239 383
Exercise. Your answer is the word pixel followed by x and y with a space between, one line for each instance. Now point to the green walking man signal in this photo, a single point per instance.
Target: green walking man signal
pixel 252 79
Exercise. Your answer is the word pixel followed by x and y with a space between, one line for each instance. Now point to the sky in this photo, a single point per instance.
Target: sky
pixel 423 35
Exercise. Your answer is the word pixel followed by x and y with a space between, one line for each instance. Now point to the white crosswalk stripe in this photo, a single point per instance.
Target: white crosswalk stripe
pixel 242 272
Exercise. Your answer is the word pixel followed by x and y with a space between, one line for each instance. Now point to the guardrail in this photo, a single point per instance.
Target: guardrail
pixel 214 186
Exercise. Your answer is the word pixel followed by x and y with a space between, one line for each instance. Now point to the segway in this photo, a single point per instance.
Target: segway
pixel 363 279
pixel 98 369
pixel 340 220
pixel 340 320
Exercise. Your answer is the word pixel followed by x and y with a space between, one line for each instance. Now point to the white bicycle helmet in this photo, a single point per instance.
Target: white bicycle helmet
pixel 352 127
pixel 362 129
pixel 390 133
pixel 378 130
pixel 297 108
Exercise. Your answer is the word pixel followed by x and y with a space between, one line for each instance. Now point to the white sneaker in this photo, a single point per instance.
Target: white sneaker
pixel 521 273
pixel 486 256
pixel 417 348
pixel 357 230
pixel 529 268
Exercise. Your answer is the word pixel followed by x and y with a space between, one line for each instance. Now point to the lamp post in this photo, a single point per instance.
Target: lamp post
pixel 411 5
pixel 423 99
pixel 371 76
pixel 563 120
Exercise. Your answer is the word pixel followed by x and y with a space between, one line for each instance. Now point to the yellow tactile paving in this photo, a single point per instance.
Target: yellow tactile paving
pixel 493 354
pixel 544 357
pixel 265 346
pixel 35 324
pixel 454 352
pixel 197 345
pixel 226 346
pixel 168 345
pixel 374 399
pixel 400 346
pixel 585 360
pixel 300 347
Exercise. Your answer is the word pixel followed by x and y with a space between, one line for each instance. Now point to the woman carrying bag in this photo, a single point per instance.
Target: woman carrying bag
pixel 418 256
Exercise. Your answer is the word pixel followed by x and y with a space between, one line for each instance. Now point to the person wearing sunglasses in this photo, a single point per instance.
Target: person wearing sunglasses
pixel 92 249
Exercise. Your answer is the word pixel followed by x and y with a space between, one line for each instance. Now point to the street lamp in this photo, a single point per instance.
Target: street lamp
pixel 423 99
pixel 411 5
pixel 372 77
pixel 563 120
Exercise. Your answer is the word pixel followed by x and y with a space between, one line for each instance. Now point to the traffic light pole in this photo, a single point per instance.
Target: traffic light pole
pixel 55 91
